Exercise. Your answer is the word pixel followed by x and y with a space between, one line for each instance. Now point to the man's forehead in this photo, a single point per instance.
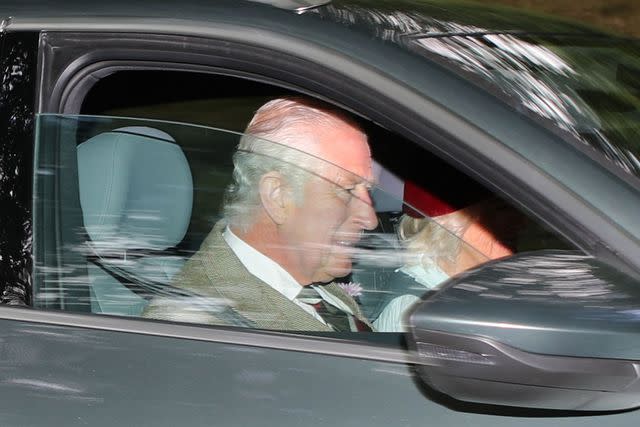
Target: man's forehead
pixel 345 147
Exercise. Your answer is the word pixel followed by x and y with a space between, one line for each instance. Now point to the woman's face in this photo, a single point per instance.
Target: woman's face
pixel 485 230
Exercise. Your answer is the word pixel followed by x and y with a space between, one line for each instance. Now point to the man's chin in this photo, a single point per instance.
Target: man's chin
pixel 332 276
pixel 340 270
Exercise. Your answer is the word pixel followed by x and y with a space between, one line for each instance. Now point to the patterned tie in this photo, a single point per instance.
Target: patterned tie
pixel 338 320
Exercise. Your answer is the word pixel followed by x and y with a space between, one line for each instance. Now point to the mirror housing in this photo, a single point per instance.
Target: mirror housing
pixel 546 330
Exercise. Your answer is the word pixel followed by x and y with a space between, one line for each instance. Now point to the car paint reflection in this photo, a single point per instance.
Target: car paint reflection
pixel 17 73
pixel 539 66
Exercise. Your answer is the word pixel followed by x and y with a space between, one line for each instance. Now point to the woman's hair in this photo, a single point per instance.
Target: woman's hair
pixel 438 240
pixel 429 241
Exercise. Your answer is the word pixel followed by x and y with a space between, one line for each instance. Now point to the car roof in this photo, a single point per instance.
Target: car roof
pixel 382 18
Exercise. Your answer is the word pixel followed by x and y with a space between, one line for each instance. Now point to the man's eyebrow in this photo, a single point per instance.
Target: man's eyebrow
pixel 353 181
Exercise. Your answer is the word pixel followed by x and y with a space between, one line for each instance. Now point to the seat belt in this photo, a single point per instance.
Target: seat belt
pixel 149 289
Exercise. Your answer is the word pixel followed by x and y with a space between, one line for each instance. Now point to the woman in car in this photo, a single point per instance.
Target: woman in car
pixel 457 234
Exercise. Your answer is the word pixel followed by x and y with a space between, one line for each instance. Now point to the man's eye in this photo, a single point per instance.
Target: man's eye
pixel 345 194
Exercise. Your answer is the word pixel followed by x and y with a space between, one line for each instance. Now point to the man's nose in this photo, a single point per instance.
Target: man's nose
pixel 364 214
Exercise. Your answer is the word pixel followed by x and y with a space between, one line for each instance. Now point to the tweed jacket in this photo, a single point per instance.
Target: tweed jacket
pixel 229 295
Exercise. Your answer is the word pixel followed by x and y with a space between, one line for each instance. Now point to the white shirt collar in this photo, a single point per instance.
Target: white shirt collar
pixel 262 266
pixel 270 272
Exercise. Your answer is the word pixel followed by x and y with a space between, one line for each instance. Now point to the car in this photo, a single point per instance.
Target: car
pixel 121 121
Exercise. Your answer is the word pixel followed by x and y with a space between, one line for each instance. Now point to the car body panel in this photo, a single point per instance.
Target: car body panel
pixel 70 375
pixel 593 312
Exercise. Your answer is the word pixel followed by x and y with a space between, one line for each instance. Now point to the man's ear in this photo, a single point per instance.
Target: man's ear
pixel 275 196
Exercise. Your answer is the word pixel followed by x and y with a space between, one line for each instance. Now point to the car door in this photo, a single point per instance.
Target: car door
pixel 64 364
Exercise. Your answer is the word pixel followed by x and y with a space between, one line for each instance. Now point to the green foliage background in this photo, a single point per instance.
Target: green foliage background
pixel 620 16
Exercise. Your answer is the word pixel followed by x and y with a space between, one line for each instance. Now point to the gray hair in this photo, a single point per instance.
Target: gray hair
pixel 269 145
pixel 434 241
pixel 440 239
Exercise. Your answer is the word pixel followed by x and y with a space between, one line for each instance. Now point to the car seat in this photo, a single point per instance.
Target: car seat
pixel 136 194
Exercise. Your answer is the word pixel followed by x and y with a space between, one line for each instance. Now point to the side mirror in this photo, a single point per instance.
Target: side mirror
pixel 547 330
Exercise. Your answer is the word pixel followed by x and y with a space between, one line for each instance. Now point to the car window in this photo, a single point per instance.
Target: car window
pixel 146 218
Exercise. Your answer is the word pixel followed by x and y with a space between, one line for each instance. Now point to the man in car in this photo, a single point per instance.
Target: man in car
pixel 298 204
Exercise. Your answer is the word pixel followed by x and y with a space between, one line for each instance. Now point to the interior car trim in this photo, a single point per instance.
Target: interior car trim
pixel 72 94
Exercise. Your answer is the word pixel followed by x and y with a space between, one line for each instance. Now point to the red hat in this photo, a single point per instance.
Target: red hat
pixel 444 195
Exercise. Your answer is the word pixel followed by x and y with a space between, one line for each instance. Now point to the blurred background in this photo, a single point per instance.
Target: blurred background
pixel 620 16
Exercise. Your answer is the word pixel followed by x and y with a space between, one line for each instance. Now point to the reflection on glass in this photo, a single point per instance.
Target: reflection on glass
pixel 561 282
pixel 170 221
pixel 586 85
pixel 583 85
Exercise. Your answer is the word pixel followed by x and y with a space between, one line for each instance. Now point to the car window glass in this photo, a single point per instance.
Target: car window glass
pixel 132 220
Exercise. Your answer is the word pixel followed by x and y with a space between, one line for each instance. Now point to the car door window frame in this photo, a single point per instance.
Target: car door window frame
pixel 485 160
pixel 266 65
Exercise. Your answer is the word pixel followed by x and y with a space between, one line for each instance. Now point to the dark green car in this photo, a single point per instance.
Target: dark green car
pixel 121 119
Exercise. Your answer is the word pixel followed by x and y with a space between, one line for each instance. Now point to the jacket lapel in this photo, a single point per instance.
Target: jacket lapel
pixel 248 295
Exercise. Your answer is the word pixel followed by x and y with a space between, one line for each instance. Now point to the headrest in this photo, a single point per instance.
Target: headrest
pixel 136 189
